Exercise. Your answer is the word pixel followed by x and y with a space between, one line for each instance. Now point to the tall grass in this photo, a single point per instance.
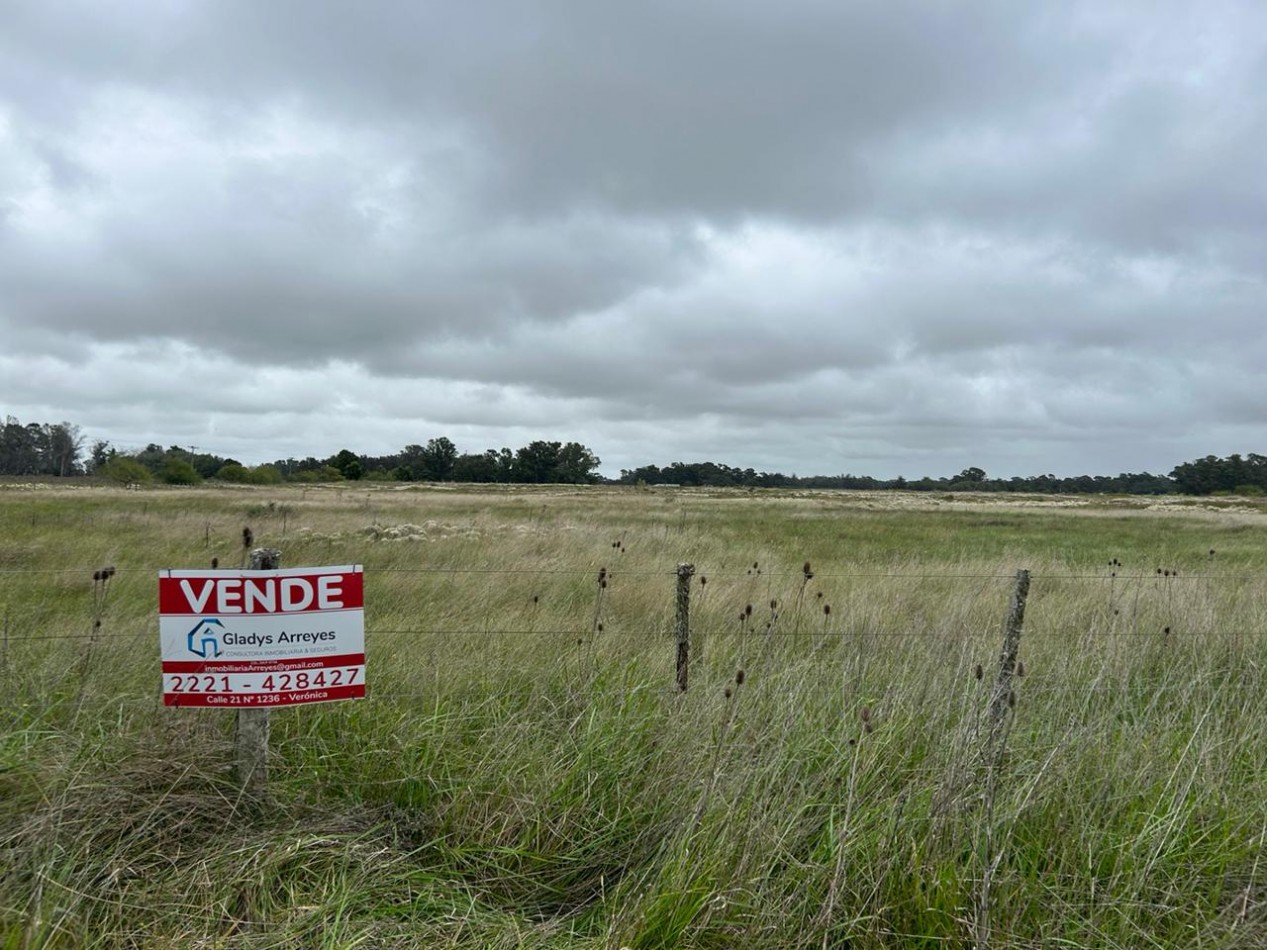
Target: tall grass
pixel 525 774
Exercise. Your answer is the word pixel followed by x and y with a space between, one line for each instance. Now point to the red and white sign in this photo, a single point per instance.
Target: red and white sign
pixel 256 639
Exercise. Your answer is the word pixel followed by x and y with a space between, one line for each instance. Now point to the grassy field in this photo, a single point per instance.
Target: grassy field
pixel 524 773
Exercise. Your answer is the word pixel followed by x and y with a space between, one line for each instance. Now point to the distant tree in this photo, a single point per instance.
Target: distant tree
pixel 125 470
pixel 152 457
pixel 576 465
pixel 485 467
pixel 264 475
pixel 1213 474
pixel 537 462
pixel 409 464
pixel 205 464
pixel 439 457
pixel 63 442
pixel 178 471
pixel 19 448
pixel 233 472
pixel 645 474
pixel 348 464
pixel 100 453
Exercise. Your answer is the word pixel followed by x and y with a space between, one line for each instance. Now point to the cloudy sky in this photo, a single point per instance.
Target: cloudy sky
pixel 898 237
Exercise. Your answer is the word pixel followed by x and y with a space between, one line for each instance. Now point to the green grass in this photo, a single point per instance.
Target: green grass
pixel 519 777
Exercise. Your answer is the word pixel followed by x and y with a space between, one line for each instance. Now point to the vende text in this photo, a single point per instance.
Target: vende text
pixel 260 595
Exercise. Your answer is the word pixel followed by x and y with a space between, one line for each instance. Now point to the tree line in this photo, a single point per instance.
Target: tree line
pixel 60 450
pixel 970 479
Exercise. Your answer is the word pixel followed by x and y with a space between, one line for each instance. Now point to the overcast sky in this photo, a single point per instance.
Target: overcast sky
pixel 899 237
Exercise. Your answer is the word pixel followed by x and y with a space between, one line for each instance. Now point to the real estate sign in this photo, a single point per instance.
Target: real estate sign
pixel 262 638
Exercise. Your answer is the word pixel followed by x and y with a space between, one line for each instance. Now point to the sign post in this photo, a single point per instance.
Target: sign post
pixel 254 640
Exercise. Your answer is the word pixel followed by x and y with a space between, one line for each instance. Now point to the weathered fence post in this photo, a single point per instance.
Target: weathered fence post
pixel 1001 701
pixel 684 574
pixel 250 740
pixel 1003 696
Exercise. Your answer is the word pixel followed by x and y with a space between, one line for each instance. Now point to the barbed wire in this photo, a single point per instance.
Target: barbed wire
pixel 711 575
pixel 613 629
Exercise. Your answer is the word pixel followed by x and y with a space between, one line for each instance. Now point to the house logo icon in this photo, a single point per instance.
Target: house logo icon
pixel 204 639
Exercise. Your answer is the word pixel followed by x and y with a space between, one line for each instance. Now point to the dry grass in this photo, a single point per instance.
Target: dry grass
pixel 524 773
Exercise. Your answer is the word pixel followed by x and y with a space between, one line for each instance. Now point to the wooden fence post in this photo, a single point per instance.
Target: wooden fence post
pixel 1003 696
pixel 684 574
pixel 250 740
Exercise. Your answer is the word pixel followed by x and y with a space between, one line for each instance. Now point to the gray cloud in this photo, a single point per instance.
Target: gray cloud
pixel 893 237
